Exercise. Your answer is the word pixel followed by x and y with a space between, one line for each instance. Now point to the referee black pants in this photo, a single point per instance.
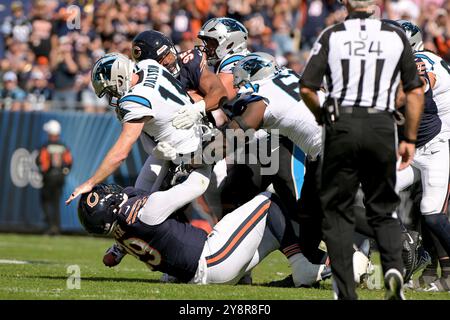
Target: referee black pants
pixel 359 148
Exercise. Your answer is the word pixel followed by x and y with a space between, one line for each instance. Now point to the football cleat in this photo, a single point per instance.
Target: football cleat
pixel 439 285
pixel 393 283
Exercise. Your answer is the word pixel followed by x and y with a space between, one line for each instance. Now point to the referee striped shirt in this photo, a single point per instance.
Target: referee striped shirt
pixel 363 61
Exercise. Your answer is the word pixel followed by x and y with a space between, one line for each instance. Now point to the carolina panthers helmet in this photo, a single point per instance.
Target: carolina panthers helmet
pixel 222 36
pixel 112 75
pixel 156 45
pixel 413 34
pixel 255 66
pixel 98 209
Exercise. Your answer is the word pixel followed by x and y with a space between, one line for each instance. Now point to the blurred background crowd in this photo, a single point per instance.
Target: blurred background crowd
pixel 47 47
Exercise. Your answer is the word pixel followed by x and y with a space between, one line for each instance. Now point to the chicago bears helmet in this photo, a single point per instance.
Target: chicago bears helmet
pixel 222 36
pixel 112 75
pixel 255 66
pixel 156 45
pixel 98 209
pixel 413 34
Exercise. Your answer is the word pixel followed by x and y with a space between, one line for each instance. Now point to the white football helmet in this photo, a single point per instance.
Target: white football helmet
pixel 112 75
pixel 413 34
pixel 222 36
pixel 255 66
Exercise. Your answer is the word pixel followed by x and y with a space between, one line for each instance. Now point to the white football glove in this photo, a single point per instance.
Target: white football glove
pixel 189 115
pixel 164 151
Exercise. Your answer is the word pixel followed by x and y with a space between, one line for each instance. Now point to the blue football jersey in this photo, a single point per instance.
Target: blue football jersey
pixel 192 64
pixel 172 247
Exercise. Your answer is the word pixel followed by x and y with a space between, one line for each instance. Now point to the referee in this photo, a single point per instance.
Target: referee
pixel 363 61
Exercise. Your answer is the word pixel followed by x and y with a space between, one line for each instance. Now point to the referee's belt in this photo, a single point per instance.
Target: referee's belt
pixel 369 110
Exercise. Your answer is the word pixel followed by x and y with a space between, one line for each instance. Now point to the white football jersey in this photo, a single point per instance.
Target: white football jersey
pixel 287 112
pixel 160 96
pixel 441 91
pixel 229 61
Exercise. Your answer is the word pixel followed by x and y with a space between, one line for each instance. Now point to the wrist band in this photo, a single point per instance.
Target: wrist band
pixel 414 141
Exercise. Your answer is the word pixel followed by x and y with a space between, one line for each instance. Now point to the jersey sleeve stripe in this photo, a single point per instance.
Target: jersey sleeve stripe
pixel 422 56
pixel 136 99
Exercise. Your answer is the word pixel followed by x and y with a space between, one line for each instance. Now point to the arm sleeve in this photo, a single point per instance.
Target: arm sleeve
pixel 408 69
pixel 162 204
pixel 317 63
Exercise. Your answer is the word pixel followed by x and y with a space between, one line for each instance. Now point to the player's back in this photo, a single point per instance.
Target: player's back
pixel 160 96
pixel 441 91
pixel 287 112
pixel 172 247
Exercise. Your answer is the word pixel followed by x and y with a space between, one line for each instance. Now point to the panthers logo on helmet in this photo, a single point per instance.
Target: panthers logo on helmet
pixel 92 203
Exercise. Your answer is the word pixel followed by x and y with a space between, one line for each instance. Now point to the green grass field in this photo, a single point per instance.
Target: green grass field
pixel 36 267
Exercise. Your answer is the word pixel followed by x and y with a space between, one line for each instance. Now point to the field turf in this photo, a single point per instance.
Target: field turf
pixel 38 267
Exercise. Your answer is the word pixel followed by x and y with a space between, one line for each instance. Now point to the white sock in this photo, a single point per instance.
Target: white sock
pixel 304 272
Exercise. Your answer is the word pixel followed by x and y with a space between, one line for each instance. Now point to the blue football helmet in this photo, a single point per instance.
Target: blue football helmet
pixel 156 45
pixel 98 209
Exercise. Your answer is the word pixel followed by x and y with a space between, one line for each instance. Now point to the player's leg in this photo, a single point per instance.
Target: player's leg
pixel 435 166
pixel 246 236
pixel 149 174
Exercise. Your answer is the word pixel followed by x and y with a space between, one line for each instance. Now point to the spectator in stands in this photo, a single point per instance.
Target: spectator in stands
pixel 39 94
pixel 64 70
pixel 11 96
pixel 16 27
pixel 40 37
pixel 54 162
pixel 439 30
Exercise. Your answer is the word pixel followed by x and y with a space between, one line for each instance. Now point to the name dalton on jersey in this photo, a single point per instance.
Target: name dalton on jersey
pixel 151 76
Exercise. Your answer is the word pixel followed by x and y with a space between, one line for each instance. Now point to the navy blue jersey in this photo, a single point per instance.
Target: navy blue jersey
pixel 430 123
pixel 172 247
pixel 192 65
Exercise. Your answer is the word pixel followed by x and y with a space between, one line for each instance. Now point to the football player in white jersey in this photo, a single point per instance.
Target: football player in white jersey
pixel 269 99
pixel 225 41
pixel 148 99
pixel 438 71
pixel 431 162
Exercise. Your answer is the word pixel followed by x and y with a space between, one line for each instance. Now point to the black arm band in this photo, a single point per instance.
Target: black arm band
pixel 222 101
pixel 413 141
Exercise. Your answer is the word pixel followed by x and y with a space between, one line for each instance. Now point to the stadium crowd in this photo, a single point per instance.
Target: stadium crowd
pixel 49 47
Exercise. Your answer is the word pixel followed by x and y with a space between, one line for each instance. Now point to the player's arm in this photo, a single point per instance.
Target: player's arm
pixel 227 81
pixel 131 131
pixel 251 118
pixel 212 89
pixel 432 79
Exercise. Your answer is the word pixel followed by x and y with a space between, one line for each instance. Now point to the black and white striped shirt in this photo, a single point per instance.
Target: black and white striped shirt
pixel 363 61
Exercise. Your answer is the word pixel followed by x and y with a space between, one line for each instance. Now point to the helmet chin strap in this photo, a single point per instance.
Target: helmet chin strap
pixel 125 199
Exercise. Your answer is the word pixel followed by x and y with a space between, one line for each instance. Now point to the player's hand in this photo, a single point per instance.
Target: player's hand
pixel 406 152
pixel 164 151
pixel 188 116
pixel 84 188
